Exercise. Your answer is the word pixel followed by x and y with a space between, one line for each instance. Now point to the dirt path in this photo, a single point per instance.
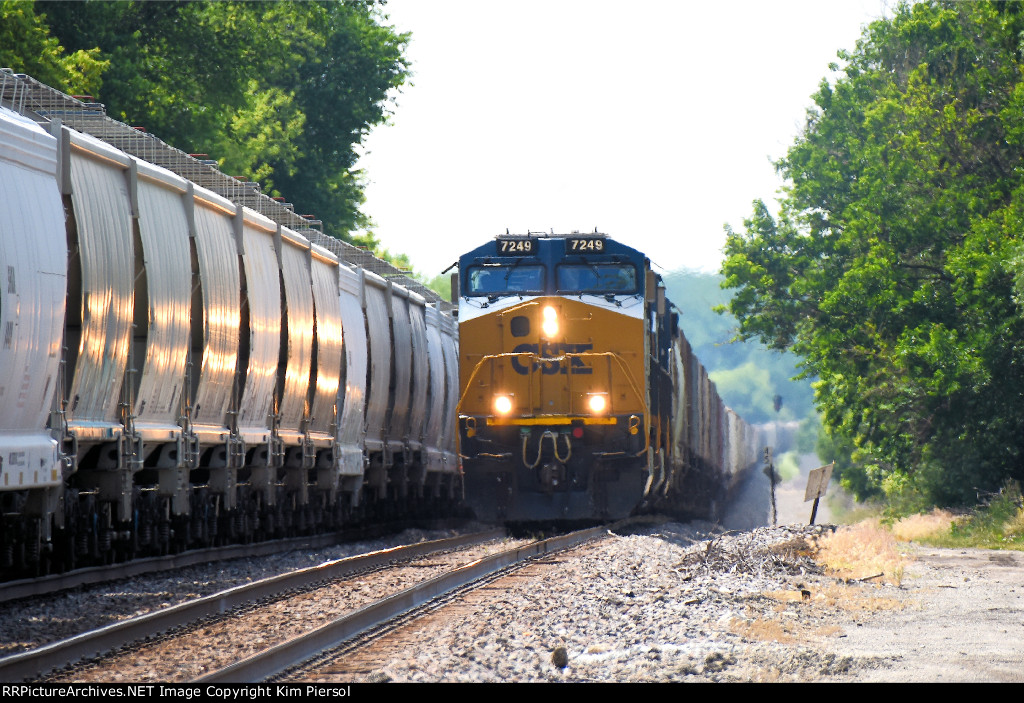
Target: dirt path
pixel 960 619
pixel 958 615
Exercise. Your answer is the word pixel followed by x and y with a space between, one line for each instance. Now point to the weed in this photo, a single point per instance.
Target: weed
pixel 1014 527
pixel 917 527
pixel 861 551
pixel 997 524
pixel 762 630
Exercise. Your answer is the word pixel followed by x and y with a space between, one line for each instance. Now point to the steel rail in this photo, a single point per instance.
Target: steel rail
pixel 298 650
pixel 90 575
pixel 37 662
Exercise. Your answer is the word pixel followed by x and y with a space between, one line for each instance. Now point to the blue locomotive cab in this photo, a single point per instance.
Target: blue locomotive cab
pixel 551 265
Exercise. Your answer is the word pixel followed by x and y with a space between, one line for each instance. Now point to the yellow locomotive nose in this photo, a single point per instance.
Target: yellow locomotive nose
pixel 550 323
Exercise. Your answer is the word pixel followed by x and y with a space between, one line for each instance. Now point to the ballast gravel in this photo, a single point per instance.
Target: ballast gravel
pixel 667 602
pixel 672 603
pixel 33 622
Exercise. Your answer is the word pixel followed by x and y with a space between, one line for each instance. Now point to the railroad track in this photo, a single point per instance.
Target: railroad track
pixel 196 618
pixel 364 657
pixel 18 589
pixel 88 576
pixel 306 656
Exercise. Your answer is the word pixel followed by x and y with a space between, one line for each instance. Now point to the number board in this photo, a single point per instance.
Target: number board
pixel 517 247
pixel 584 245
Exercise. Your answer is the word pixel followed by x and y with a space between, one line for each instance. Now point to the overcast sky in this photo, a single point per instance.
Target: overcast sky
pixel 656 123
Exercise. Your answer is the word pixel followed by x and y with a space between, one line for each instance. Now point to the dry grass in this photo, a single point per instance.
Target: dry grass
pixel 1014 527
pixel 836 596
pixel 829 631
pixel 916 527
pixel 763 630
pixel 784 597
pixel 861 551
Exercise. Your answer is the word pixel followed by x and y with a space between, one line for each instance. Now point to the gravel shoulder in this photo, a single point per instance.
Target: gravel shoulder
pixel 676 603
pixel 957 616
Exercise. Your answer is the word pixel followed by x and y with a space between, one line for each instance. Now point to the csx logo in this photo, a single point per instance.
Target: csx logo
pixel 551 366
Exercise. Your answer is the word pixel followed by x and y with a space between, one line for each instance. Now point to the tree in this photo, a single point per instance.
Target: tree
pixel 344 90
pixel 889 267
pixel 277 92
pixel 26 46
pixel 748 376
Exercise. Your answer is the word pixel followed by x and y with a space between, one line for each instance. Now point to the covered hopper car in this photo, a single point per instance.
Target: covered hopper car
pixel 178 369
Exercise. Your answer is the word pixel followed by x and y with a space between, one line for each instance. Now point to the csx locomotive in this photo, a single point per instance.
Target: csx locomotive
pixel 580 396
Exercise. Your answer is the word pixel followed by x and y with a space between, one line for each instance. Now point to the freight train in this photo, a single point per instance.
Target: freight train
pixel 179 369
pixel 185 361
pixel 581 398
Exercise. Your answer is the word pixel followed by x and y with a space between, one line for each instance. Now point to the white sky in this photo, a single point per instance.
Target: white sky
pixel 655 122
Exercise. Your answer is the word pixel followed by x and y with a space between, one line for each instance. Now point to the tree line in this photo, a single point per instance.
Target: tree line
pixel 280 93
pixel 752 380
pixel 893 265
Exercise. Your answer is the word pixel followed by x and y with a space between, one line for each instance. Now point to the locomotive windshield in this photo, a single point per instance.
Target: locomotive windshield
pixel 596 278
pixel 506 279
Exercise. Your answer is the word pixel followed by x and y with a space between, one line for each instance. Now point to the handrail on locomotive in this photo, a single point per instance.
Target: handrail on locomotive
pixel 533 366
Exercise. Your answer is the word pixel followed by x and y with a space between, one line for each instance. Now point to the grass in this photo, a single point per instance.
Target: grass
pixel 871 546
pixel 997 525
pixel 862 551
pixel 917 528
pixel 764 630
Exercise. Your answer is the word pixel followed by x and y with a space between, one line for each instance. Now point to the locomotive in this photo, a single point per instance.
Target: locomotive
pixel 581 398
pixel 185 361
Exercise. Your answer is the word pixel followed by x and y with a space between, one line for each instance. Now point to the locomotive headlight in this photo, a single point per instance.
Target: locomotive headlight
pixel 550 322
pixel 597 402
pixel 503 404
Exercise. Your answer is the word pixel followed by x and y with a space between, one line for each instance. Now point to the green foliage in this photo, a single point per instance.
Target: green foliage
pixel 788 466
pixel 893 264
pixel 345 87
pixel 855 477
pixel 26 46
pixel 996 524
pixel 440 284
pixel 747 375
pixel 807 434
pixel 277 92
pixel 747 387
